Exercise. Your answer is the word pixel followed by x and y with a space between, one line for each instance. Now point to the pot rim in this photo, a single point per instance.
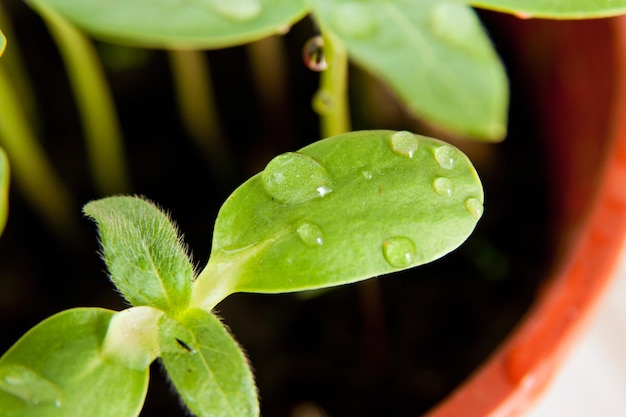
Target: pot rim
pixel 520 369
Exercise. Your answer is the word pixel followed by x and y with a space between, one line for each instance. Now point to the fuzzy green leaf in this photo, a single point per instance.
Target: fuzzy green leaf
pixel 341 210
pixel 556 9
pixel 179 24
pixel 4 189
pixel 207 367
pixel 433 53
pixel 56 370
pixel 143 253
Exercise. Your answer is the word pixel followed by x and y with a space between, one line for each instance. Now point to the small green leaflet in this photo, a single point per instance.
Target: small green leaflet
pixel 207 367
pixel 342 210
pixel 179 24
pixel 147 261
pixel 55 370
pixel 556 9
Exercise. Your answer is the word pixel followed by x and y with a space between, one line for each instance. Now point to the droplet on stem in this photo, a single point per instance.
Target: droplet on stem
pixel 313 54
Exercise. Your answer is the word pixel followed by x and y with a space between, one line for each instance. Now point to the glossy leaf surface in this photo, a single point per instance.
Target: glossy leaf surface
pixel 207 367
pixel 55 370
pixel 4 189
pixel 143 253
pixel 180 24
pixel 434 54
pixel 345 209
pixel 564 9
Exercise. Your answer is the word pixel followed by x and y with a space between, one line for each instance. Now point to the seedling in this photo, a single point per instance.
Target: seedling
pixel 344 209
pixel 341 210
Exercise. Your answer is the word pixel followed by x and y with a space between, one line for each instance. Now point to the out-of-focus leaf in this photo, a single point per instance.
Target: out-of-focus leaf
pixel 556 9
pixel 179 24
pixel 434 54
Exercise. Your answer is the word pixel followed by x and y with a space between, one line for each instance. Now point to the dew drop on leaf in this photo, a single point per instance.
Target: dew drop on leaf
pixel 295 178
pixel 399 251
pixel 236 9
pixel 404 143
pixel 445 156
pixel 313 54
pixel 355 20
pixel 443 186
pixel 30 386
pixel 367 175
pixel 474 207
pixel 311 234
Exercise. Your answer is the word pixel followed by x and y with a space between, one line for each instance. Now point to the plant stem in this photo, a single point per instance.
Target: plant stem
pixel 31 168
pixel 196 104
pixel 331 101
pixel 94 102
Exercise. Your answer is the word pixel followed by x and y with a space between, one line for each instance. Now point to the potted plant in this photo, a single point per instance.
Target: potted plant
pixel 115 217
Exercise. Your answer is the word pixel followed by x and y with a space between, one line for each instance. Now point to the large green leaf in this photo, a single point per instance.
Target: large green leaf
pixel 4 189
pixel 179 24
pixel 207 367
pixel 341 210
pixel 433 53
pixel 145 257
pixel 558 9
pixel 56 370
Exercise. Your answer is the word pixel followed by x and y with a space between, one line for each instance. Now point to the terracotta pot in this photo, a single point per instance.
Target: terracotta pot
pixel 583 103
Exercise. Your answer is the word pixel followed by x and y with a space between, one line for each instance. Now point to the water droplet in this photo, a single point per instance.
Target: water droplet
pixel 311 234
pixel 404 143
pixel 355 19
pixel 443 186
pixel 399 251
pixel 474 207
pixel 445 156
pixel 236 9
pixel 30 386
pixel 322 102
pixel 295 178
pixel 367 175
pixel 313 54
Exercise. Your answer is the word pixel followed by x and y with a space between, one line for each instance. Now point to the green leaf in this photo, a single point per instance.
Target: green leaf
pixel 179 24
pixel 4 189
pixel 341 210
pixel 207 367
pixel 3 43
pixel 146 259
pixel 559 9
pixel 56 370
pixel 434 54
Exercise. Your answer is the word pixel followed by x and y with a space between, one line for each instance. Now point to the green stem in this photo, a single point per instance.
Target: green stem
pixel 94 102
pixel 31 169
pixel 196 103
pixel 331 101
